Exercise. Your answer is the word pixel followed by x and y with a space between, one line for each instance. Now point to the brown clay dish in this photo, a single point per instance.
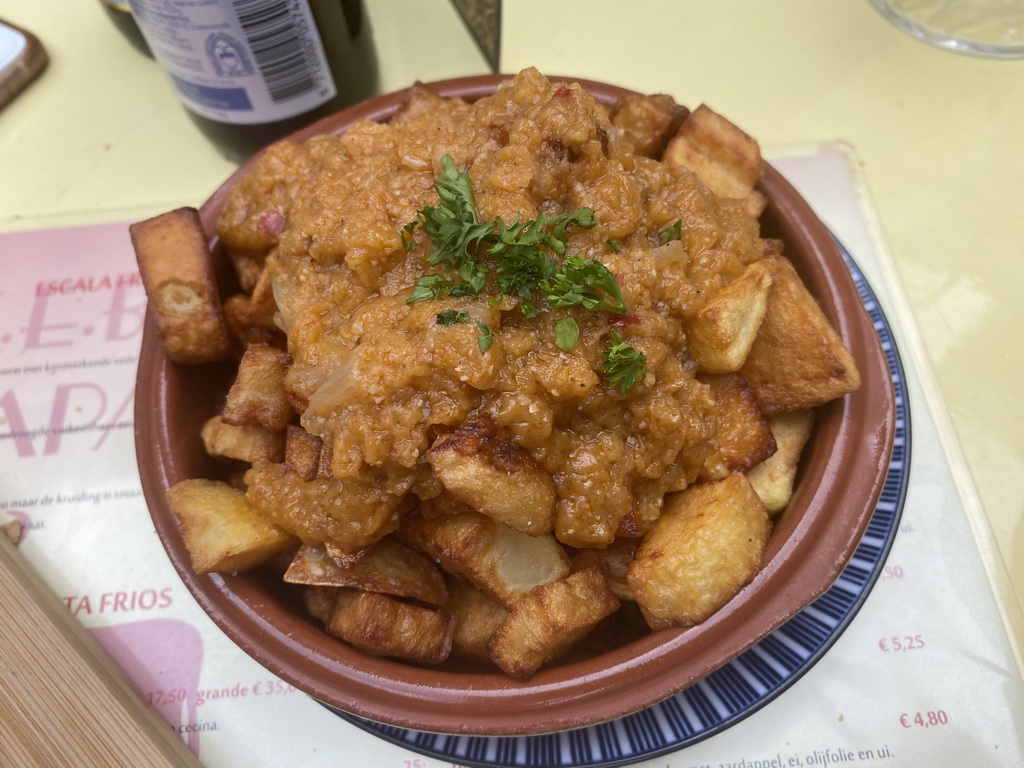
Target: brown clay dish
pixel 838 486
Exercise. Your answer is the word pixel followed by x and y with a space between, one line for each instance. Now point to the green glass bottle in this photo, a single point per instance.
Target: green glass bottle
pixel 251 71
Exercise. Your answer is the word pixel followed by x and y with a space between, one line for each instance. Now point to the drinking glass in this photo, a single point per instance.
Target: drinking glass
pixel 993 28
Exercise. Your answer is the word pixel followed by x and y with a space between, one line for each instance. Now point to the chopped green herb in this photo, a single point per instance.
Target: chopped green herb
pixel 521 252
pixel 486 338
pixel 581 217
pixel 452 317
pixel 675 232
pixel 583 282
pixel 613 245
pixel 520 264
pixel 523 258
pixel 452 226
pixel 623 365
pixel 567 333
pixel 429 287
pixel 407 238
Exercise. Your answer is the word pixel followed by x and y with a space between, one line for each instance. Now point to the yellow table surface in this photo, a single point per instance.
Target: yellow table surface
pixel 100 136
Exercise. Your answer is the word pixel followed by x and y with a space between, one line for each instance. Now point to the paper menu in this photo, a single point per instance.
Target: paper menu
pixel 923 676
pixel 69 340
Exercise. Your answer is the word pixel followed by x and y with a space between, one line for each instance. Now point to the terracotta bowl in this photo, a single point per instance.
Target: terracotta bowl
pixel 838 486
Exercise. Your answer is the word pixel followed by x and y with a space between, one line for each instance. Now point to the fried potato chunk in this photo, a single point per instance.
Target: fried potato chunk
pixel 613 562
pixel 647 122
pixel 798 360
pixel 744 437
pixel 221 531
pixel 258 396
pixel 725 159
pixel 486 469
pixel 420 101
pixel 504 563
pixel 251 317
pixel 383 626
pixel 319 601
pixel 244 443
pixel 705 547
pixel 343 558
pixel 720 335
pixel 550 619
pixel 177 272
pixel 388 567
pixel 476 617
pixel 773 479
pixel 248 267
pixel 351 513
pixel 302 452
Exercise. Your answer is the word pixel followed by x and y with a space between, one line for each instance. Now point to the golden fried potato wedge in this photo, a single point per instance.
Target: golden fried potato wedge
pixel 485 468
pixel 235 310
pixel 443 504
pixel 420 101
pixel 647 122
pixel 705 547
pixel 320 601
pixel 388 567
pixel 720 335
pixel 550 619
pixel 476 617
pixel 504 563
pixel 177 272
pixel 744 437
pixel 772 480
pixel 258 396
pixel 264 305
pixel 383 626
pixel 248 266
pixel 798 360
pixel 251 318
pixel 351 513
pixel 261 307
pixel 221 531
pixel 302 452
pixel 725 159
pixel 244 443
pixel 343 558
pixel 312 566
pixel 613 562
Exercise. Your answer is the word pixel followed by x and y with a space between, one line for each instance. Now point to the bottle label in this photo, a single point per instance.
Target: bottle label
pixel 239 61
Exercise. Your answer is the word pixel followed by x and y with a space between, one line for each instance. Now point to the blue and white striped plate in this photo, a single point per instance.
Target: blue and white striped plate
pixel 735 690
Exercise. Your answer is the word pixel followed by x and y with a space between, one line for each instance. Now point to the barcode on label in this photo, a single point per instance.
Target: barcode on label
pixel 280 46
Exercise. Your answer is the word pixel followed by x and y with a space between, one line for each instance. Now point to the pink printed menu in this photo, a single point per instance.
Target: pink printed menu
pixel 69 342
pixel 924 674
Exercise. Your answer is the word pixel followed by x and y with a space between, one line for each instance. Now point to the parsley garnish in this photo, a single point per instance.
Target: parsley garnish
pixel 486 338
pixel 525 259
pixel 567 333
pixel 452 226
pixel 406 233
pixel 521 261
pixel 451 317
pixel 523 254
pixel 675 232
pixel 623 365
pixel 585 283
pixel 430 287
